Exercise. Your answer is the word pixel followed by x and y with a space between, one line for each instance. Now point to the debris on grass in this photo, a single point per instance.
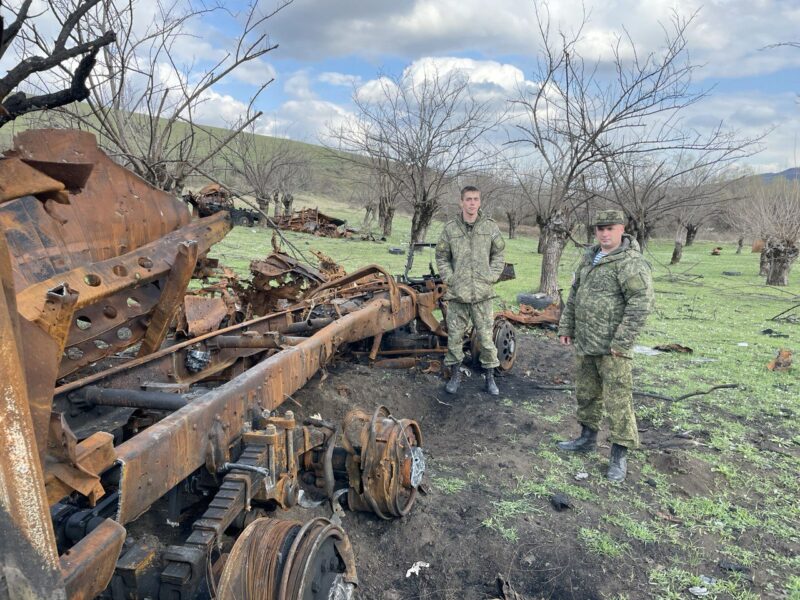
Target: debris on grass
pixel 782 361
pixel 673 348
pixel 561 501
pixel 581 476
pixel 646 350
pixel 415 568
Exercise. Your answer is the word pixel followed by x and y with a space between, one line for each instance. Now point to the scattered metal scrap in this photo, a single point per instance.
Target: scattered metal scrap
pixel 311 220
pixel 214 198
pixel 528 315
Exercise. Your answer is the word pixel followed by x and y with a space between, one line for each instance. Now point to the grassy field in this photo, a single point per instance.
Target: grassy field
pixel 745 439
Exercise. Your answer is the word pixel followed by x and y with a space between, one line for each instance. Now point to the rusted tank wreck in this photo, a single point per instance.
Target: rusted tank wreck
pixel 114 427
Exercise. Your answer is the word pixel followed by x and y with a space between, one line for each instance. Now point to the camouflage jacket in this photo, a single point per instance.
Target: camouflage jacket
pixel 470 259
pixel 609 302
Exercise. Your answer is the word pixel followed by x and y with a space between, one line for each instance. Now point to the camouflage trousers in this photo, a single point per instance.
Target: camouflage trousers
pixel 459 316
pixel 606 381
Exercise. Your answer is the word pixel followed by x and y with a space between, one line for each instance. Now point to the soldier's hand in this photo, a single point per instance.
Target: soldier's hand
pixel 565 340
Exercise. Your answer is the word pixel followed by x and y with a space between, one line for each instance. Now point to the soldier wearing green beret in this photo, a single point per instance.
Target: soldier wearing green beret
pixel 611 296
pixel 469 256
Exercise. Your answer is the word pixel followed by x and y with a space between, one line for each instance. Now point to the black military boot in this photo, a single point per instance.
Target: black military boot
pixel 455 380
pixel 491 386
pixel 618 466
pixel 586 442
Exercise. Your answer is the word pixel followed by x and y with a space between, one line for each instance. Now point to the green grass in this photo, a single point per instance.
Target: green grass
pixel 448 485
pixel 601 543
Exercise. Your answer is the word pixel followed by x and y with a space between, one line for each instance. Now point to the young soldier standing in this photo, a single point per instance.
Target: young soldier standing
pixel 469 256
pixel 611 296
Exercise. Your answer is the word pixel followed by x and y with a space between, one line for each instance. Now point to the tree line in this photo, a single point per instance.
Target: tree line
pixel 585 135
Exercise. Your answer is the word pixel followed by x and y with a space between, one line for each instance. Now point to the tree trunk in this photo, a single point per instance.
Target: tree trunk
pixel 640 231
pixel 677 253
pixel 542 235
pixel 369 216
pixel 386 223
pixel 780 257
pixel 763 261
pixel 691 233
pixel 423 215
pixel 512 225
pixel 556 238
pixel 276 213
pixel 385 216
pixel 739 244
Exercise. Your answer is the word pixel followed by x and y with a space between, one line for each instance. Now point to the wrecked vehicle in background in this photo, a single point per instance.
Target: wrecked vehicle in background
pixel 116 429
pixel 213 198
pixel 311 220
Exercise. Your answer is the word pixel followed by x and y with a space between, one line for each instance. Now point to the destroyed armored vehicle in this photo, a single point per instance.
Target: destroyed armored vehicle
pixel 144 462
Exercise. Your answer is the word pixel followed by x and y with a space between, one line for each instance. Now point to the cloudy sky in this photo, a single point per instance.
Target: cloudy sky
pixel 328 48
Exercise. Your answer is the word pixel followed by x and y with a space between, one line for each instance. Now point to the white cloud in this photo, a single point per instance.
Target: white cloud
pixel 306 119
pixel 725 36
pixel 298 85
pixel 220 110
pixel 340 79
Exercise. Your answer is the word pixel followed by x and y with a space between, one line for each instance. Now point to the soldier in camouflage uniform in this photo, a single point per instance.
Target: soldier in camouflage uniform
pixel 469 256
pixel 611 296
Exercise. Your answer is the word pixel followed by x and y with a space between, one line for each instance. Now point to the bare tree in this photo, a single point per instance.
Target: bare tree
pixel 144 100
pixel 422 132
pixel 688 182
pixel 41 55
pixel 267 165
pixel 771 212
pixel 577 119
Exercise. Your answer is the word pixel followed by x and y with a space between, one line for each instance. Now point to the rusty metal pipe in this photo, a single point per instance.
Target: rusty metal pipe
pixel 308 326
pixel 266 340
pixel 132 398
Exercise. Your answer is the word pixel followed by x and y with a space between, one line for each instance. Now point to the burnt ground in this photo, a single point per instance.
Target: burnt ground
pixel 491 467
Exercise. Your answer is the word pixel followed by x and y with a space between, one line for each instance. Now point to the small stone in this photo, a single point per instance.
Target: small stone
pixel 581 476
pixel 561 501
pixel 705 580
pixel 698 591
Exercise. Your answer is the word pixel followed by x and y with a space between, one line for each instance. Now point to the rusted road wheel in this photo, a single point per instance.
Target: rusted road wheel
pixel 286 560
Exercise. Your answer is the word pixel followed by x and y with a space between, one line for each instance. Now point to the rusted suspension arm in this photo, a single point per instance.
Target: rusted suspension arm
pixel 160 457
pixel 132 398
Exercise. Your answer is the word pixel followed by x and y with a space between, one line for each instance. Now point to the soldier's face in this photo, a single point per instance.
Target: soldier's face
pixel 609 236
pixel 470 203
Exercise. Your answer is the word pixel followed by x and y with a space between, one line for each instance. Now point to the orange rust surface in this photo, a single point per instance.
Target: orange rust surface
pixel 115 212
pixel 528 315
pixel 19 179
pixel 87 568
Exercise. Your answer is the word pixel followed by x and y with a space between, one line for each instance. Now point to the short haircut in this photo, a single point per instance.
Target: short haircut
pixel 468 188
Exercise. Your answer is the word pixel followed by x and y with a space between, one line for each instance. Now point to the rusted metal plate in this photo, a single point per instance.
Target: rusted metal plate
pixel 203 314
pixel 29 559
pixel 171 296
pixel 87 568
pixel 528 315
pixel 19 179
pixel 115 213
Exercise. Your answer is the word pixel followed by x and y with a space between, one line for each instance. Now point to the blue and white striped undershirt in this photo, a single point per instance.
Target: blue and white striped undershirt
pixel 599 256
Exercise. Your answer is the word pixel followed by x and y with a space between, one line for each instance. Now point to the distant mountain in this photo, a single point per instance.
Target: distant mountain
pixel 790 174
